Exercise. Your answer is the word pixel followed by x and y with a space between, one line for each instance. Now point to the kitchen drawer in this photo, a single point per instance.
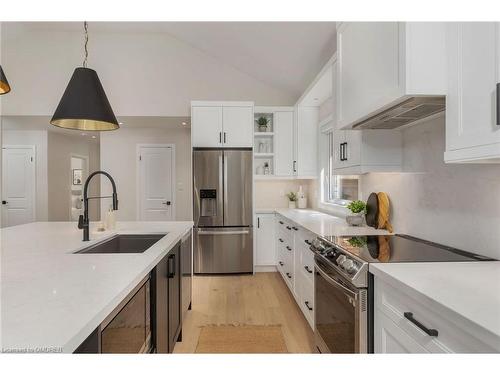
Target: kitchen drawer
pixel 305 297
pixel 390 338
pixel 306 262
pixel 453 336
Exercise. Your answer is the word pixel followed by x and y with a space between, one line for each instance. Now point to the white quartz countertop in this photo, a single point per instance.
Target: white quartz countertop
pixel 470 289
pixel 53 299
pixel 324 224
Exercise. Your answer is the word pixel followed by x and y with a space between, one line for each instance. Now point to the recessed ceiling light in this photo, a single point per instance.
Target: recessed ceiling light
pixel 120 123
pixel 94 137
pixel 184 123
pixel 316 99
pixel 83 133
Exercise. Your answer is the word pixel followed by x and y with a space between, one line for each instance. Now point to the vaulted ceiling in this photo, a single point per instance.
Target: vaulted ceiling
pixel 286 55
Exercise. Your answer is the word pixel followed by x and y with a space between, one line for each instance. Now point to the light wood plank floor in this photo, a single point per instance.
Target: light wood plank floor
pixel 260 299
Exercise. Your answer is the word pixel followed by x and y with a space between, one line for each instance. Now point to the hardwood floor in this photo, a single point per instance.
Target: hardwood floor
pixel 260 299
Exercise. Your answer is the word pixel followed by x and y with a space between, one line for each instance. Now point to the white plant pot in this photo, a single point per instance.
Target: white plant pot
pixel 291 204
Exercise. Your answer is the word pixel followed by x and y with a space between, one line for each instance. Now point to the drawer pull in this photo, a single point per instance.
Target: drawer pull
pixel 289 248
pixel 289 228
pixel 281 264
pixel 307 242
pixel 429 331
pixel 308 269
pixel 295 228
pixel 288 275
pixel 280 239
pixel 307 305
pixel 281 222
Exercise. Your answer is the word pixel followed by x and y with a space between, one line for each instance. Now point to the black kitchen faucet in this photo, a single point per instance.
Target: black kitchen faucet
pixel 83 220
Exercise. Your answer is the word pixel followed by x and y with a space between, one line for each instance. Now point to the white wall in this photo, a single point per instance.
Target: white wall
pixel 118 157
pixel 143 74
pixel 37 138
pixel 456 205
pixel 271 194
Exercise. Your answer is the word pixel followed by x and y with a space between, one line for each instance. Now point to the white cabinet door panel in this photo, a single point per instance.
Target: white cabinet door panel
pixel 307 141
pixel 206 126
pixel 237 126
pixel 283 128
pixel 265 252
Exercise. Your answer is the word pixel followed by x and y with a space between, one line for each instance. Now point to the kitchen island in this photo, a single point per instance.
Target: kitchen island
pixel 53 299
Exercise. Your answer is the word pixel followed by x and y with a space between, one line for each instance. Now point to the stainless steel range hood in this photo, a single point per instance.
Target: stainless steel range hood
pixel 408 109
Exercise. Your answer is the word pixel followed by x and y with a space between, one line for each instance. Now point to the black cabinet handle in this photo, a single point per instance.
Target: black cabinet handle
pixel 289 248
pixel 281 264
pixel 341 154
pixel 280 240
pixel 307 305
pixel 224 137
pixel 288 275
pixel 289 228
pixel 498 104
pixel 281 222
pixel 345 151
pixel 295 228
pixel 307 242
pixel 171 266
pixel 258 222
pixel 429 331
pixel 295 166
pixel 308 269
pixel 4 202
pixel 220 137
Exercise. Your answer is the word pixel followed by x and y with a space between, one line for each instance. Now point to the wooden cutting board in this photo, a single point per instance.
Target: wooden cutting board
pixel 372 210
pixel 383 212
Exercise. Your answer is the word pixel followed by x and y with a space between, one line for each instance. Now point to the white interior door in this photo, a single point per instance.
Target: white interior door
pixel 18 185
pixel 156 181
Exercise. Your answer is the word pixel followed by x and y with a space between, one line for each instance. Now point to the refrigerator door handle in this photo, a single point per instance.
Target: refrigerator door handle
pixel 224 157
pixel 220 232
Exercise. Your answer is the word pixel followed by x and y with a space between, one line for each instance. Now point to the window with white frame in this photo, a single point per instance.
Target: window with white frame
pixel 339 189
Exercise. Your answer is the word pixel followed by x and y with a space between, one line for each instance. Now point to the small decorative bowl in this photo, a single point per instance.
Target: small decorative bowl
pixel 354 220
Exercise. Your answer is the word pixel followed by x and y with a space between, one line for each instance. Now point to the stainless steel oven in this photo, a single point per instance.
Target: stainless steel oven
pixel 341 315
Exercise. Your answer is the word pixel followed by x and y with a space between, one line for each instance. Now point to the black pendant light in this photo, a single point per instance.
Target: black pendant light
pixel 84 105
pixel 4 84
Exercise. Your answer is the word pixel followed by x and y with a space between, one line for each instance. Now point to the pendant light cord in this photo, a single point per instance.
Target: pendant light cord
pixel 85 26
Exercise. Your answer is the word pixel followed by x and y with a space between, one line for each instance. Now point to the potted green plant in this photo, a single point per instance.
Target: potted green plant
pixel 263 123
pixel 292 198
pixel 358 209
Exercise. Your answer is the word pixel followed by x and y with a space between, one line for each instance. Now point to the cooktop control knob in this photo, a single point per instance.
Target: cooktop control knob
pixel 349 266
pixel 340 260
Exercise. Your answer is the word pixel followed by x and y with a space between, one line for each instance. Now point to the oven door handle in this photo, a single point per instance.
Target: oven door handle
pixel 334 283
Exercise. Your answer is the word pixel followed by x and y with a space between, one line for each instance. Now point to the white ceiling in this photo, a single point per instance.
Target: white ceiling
pixel 286 55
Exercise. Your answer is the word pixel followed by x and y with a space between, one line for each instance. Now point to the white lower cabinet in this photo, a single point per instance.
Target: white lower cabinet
pixel 265 249
pixel 295 262
pixel 404 323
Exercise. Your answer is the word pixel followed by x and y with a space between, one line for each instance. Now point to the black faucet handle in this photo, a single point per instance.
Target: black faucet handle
pixel 80 222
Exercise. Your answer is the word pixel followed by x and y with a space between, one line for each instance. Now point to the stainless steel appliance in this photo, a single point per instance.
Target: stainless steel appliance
pixel 222 204
pixel 344 287
pixel 128 328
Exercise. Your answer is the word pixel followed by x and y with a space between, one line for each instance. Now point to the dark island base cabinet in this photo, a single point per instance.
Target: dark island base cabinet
pixel 166 309
pixel 156 302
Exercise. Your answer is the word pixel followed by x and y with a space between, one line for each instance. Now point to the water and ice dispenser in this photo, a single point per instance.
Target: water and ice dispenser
pixel 208 202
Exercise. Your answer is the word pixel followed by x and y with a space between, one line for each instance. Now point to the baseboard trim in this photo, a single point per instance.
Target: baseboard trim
pixel 265 269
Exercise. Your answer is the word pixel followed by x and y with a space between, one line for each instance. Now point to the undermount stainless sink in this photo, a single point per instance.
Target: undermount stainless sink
pixel 123 244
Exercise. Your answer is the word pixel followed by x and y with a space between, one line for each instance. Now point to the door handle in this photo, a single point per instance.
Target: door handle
pixel 289 228
pixel 429 331
pixel 308 269
pixel 258 222
pixel 168 203
pixel 307 305
pixel 224 137
pixel 295 228
pixel 307 242
pixel 498 104
pixel 289 248
pixel 220 137
pixel 288 275
pixel 220 232
pixel 280 240
pixel 4 202
pixel 171 266
pixel 295 166
pixel 281 264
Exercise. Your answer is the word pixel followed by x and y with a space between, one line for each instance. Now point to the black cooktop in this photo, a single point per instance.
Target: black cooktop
pixel 400 248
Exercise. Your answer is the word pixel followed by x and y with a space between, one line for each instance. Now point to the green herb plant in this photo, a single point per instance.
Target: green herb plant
pixel 262 121
pixel 357 207
pixel 292 196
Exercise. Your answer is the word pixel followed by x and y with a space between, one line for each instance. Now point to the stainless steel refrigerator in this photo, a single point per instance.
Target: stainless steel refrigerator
pixel 222 203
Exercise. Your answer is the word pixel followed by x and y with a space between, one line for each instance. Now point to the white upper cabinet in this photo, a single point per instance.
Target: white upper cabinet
pixel 283 128
pixel 222 124
pixel 206 126
pixel 238 126
pixel 306 143
pixel 472 130
pixel 380 64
